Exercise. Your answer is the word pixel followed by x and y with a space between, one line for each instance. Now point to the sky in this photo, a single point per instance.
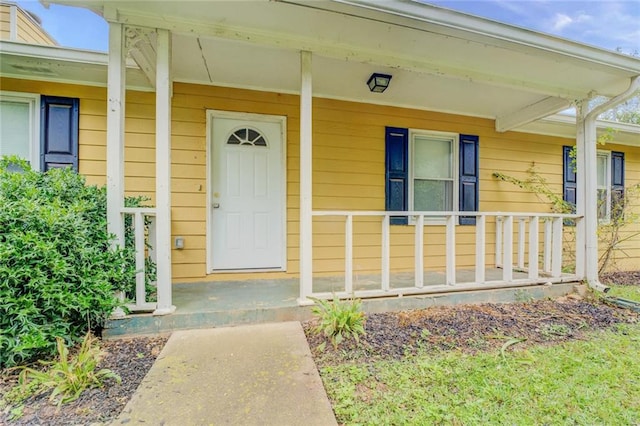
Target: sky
pixel 608 24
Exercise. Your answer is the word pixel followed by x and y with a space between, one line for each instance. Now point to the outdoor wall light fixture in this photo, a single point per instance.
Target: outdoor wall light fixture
pixel 378 83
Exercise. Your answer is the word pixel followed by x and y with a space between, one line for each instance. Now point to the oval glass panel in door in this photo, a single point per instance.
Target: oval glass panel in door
pixel 246 136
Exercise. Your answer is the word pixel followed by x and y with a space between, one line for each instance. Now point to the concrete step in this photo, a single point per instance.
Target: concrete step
pixel 236 311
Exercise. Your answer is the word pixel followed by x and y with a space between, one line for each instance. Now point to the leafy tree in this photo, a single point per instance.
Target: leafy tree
pixel 626 112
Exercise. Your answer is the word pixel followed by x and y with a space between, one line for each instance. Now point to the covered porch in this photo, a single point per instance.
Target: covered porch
pixel 517 257
pixel 511 76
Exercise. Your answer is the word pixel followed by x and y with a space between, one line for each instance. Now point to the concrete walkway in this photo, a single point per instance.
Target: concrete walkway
pixel 248 375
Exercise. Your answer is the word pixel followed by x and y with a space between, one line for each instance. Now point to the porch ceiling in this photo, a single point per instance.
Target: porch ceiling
pixel 229 62
pixel 440 60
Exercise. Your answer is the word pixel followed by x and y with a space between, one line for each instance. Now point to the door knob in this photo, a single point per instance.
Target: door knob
pixel 216 205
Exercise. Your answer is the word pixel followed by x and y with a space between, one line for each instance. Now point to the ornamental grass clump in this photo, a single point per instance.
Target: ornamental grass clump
pixel 67 376
pixel 339 319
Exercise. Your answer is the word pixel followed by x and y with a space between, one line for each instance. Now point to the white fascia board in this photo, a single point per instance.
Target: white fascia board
pixel 530 113
pixel 616 125
pixel 499 31
pixel 53 52
pixel 335 50
pixel 57 53
pixel 13 21
pixel 562 125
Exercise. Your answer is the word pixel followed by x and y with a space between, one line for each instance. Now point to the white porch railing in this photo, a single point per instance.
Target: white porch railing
pixel 141 236
pixel 541 264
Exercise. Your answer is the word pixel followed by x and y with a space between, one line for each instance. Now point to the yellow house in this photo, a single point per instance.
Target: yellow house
pixel 348 142
pixel 17 24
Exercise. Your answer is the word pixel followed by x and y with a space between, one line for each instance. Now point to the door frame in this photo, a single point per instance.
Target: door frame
pixel 280 119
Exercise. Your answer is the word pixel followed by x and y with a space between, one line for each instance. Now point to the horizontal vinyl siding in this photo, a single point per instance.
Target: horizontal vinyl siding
pixel 348 172
pixel 30 32
pixel 189 180
pixel 355 133
pixel 92 125
pixel 5 22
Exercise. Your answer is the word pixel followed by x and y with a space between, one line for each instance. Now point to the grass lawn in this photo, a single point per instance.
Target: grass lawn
pixel 630 292
pixel 594 381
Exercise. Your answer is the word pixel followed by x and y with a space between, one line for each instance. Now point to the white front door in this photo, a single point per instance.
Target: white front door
pixel 247 192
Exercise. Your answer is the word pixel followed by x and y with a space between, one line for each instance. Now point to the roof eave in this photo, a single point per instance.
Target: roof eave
pixel 496 30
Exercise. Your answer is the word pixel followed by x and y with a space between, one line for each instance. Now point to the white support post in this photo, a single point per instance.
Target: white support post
pixel 385 253
pixel 306 206
pixel 533 247
pixel 163 171
pixel 138 229
pixel 115 140
pixel 521 243
pixel 556 251
pixel 507 262
pixel 348 255
pixel 115 132
pixel 590 226
pixel 419 252
pixel 499 232
pixel 451 250
pixel 581 112
pixel 480 248
pixel 590 179
pixel 547 246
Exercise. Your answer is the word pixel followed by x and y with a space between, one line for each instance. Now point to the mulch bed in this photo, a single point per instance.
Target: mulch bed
pixel 621 278
pixel 129 358
pixel 467 328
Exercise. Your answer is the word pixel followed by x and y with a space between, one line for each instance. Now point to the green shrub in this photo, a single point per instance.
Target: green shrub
pixel 57 271
pixel 339 319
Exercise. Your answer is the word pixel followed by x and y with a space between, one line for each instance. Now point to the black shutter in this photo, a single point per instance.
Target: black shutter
pixel 569 182
pixel 617 184
pixel 59 132
pixel 469 188
pixel 397 172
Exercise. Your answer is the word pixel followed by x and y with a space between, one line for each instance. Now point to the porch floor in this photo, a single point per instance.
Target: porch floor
pixel 227 303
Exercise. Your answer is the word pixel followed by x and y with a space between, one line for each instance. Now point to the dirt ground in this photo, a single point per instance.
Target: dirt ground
pixel 468 328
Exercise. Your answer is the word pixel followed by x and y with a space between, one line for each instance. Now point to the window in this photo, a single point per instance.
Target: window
pixel 41 129
pixel 609 181
pixel 430 171
pixel 433 171
pixel 604 186
pixel 19 126
pixel 246 136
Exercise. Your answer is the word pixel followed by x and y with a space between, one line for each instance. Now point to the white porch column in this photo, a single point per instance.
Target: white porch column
pixel 581 111
pixel 590 201
pixel 306 220
pixel 163 171
pixel 115 131
pixel 590 180
pixel 586 195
